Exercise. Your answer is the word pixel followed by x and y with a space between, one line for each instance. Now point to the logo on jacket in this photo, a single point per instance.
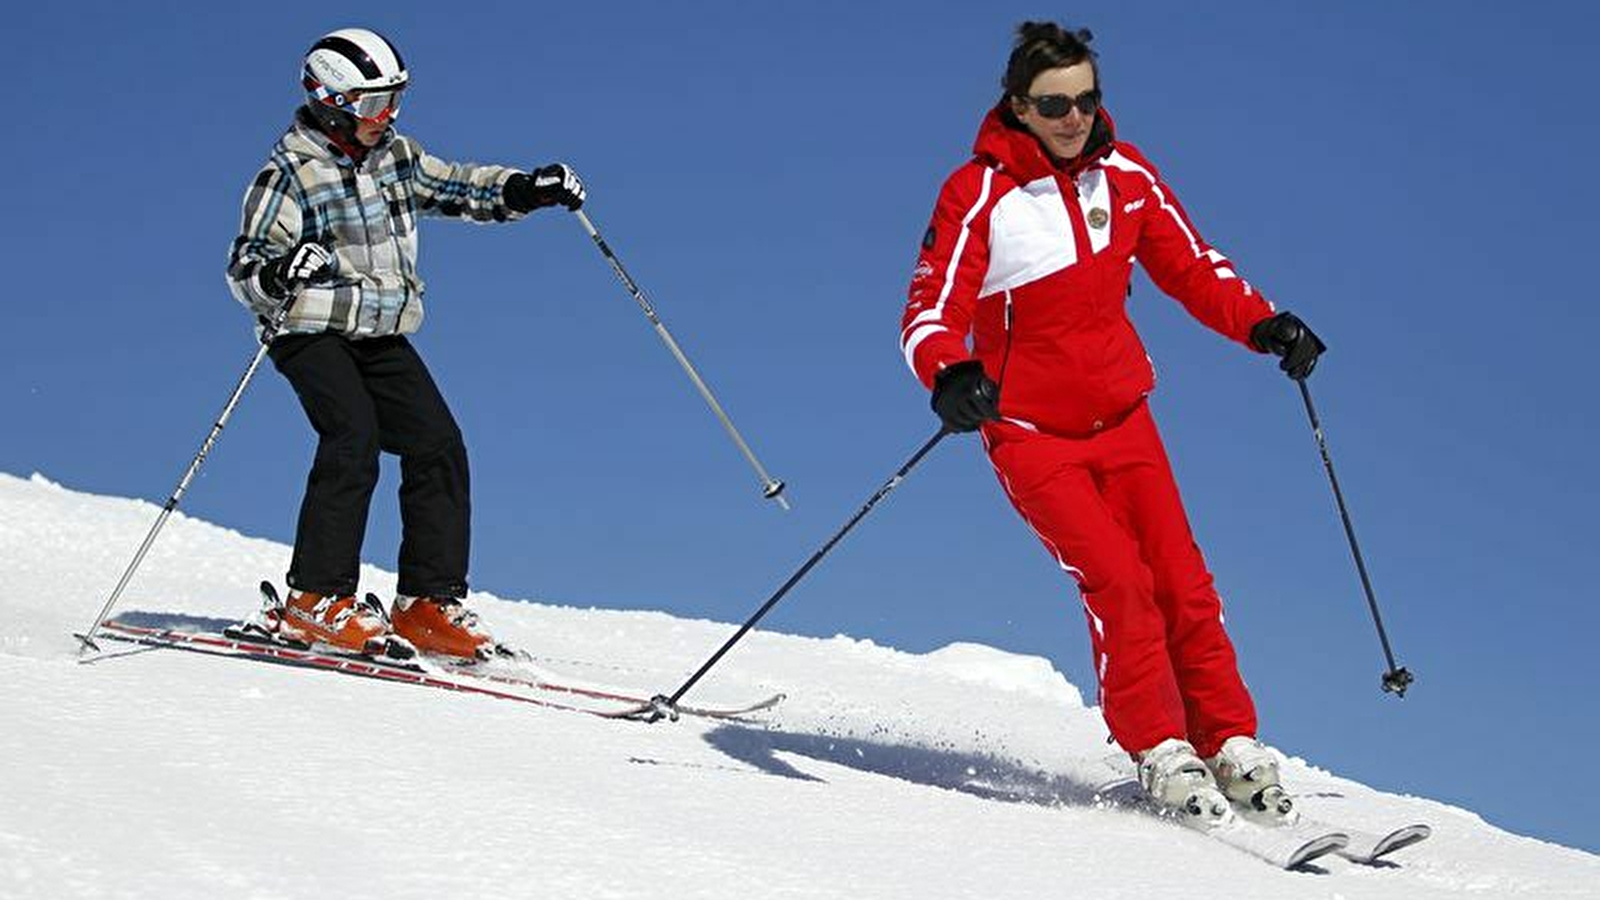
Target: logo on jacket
pixel 1099 218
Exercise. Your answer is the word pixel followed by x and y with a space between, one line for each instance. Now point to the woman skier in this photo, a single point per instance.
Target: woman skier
pixel 1030 250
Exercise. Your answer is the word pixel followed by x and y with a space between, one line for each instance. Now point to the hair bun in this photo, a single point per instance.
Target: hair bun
pixel 1041 46
pixel 1033 31
pixel 1053 32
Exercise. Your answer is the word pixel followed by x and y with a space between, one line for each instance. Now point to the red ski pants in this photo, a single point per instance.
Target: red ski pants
pixel 1107 507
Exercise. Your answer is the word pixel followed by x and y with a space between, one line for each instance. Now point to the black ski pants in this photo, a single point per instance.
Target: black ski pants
pixel 363 397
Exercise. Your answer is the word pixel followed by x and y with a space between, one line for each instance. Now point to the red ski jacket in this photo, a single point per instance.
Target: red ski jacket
pixel 1034 260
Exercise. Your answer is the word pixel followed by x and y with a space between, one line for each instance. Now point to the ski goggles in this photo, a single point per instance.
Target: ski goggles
pixel 371 106
pixel 1056 106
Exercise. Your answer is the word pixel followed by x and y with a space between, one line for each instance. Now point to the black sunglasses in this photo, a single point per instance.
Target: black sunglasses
pixel 1056 106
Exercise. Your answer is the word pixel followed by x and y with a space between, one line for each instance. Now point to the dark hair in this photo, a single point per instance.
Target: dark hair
pixel 1041 46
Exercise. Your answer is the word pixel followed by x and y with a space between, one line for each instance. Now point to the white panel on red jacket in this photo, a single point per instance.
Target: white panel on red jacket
pixel 1030 236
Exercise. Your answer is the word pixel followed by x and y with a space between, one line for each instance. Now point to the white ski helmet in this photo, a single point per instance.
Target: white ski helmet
pixel 356 72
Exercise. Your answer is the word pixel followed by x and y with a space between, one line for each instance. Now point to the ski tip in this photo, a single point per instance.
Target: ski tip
pixel 1314 849
pixel 1401 838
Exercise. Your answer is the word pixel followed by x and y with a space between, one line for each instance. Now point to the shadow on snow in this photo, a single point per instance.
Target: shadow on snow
pixel 970 772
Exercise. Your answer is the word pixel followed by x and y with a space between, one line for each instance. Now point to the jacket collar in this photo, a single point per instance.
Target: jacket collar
pixel 304 137
pixel 1011 148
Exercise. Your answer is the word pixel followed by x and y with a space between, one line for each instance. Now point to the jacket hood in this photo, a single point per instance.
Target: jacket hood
pixel 1012 148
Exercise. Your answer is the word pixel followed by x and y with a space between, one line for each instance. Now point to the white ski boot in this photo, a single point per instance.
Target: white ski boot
pixel 1177 779
pixel 1247 773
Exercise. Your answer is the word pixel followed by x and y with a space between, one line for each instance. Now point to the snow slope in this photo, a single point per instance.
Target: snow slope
pixel 967 772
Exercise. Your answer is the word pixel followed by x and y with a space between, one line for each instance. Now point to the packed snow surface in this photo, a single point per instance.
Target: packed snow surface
pixel 965 772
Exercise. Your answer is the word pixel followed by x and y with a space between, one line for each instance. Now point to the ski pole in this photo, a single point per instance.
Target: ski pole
pixel 269 331
pixel 1397 678
pixel 771 488
pixel 661 706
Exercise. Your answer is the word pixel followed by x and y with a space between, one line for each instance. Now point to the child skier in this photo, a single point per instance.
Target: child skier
pixel 329 228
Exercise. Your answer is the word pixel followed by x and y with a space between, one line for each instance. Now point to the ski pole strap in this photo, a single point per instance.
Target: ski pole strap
pixel 272 325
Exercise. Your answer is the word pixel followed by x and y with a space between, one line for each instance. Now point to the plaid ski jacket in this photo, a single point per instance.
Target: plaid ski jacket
pixel 366 214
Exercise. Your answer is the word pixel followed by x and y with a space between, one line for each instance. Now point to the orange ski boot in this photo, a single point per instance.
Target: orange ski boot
pixel 441 625
pixel 338 621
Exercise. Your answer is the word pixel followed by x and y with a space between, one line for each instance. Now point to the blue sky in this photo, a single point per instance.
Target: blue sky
pixel 1411 179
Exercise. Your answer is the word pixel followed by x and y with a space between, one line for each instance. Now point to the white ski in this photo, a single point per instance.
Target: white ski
pixel 1370 846
pixel 1285 846
pixel 1361 846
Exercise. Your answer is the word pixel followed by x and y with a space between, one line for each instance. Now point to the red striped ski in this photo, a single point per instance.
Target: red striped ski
pixel 601 703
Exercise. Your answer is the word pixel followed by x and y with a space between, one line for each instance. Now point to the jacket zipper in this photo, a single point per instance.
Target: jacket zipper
pixel 1005 356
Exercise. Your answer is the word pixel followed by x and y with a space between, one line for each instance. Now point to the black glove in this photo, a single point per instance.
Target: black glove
pixel 1286 336
pixel 964 397
pixel 552 185
pixel 308 262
